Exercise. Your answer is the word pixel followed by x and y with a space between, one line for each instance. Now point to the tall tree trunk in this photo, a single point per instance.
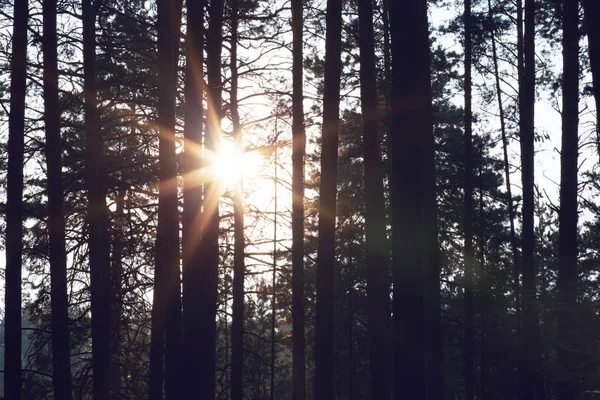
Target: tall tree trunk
pixel 413 194
pixel 468 213
pixel 116 274
pixel 324 328
pixel 14 203
pixel 592 15
pixel 378 276
pixel 210 240
pixel 274 292
pixel 530 349
pixel 509 198
pixel 193 259
pixel 97 212
pixel 298 146
pixel 239 268
pixel 483 295
pixel 61 357
pixel 567 387
pixel 167 244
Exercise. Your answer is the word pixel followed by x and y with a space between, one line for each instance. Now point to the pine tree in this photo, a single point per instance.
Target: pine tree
pixel 14 203
pixel 324 324
pixel 378 280
pixel 298 152
pixel 61 357
pixel 567 387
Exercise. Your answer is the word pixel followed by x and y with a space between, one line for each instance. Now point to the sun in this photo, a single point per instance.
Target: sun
pixel 225 166
pixel 231 165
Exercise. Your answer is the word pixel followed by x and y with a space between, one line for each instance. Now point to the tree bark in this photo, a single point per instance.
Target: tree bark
pixel 324 326
pixel 167 243
pixel 239 268
pixel 61 358
pixel 193 259
pixel 567 385
pixel 116 274
pixel 210 240
pixel 14 203
pixel 530 342
pixel 378 275
pixel 298 151
pixel 97 212
pixel 413 194
pixel 468 210
pixel 509 198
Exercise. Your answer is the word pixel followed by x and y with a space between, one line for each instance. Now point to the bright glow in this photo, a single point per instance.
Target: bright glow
pixel 229 165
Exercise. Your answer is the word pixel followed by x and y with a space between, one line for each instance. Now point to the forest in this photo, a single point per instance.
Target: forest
pixel 300 199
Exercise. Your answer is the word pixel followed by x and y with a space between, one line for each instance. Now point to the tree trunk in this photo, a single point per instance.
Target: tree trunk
pixel 324 325
pixel 14 203
pixel 167 244
pixel 509 198
pixel 530 348
pixel 61 357
pixel 274 292
pixel 468 213
pixel 97 213
pixel 592 16
pixel 413 195
pixel 193 259
pixel 116 274
pixel 483 295
pixel 239 268
pixel 567 328
pixel 298 146
pixel 210 240
pixel 378 278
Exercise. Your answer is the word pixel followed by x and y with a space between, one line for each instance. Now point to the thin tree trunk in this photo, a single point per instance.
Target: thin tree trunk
pixel 351 366
pixel 568 387
pixel 378 275
pixel 509 201
pixel 97 213
pixel 14 203
pixel 61 358
pixel 592 16
pixel 483 295
pixel 274 293
pixel 298 146
pixel 413 193
pixel 530 350
pixel 210 240
pixel 192 259
pixel 468 213
pixel 167 243
pixel 116 274
pixel 239 268
pixel 324 326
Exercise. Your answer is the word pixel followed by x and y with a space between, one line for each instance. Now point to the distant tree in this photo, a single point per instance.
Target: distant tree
pixel 324 324
pixel 14 203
